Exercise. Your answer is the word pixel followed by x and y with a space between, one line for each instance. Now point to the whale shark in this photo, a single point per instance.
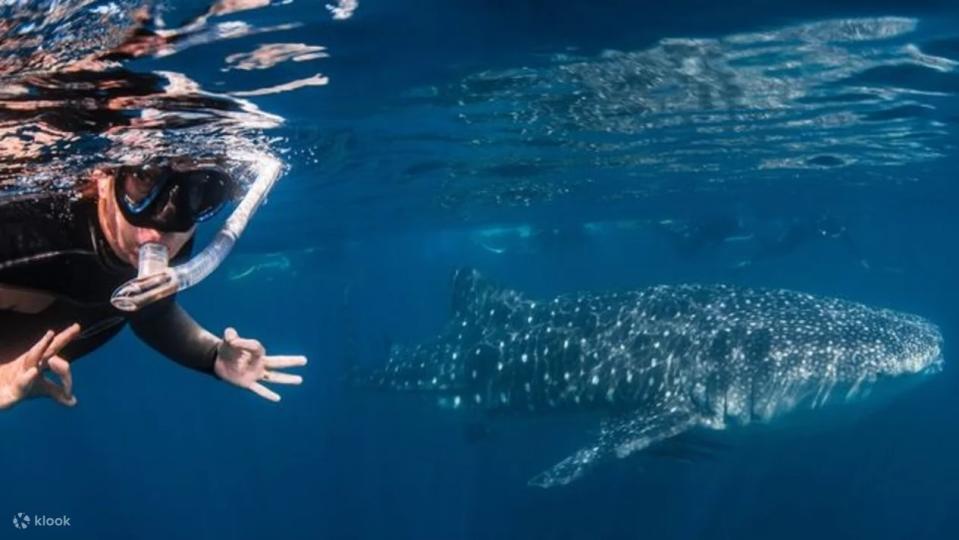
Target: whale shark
pixel 657 362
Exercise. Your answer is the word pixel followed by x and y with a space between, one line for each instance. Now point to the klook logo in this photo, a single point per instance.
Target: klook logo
pixel 22 521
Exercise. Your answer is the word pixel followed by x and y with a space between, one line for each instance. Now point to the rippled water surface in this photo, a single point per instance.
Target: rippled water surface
pixel 556 146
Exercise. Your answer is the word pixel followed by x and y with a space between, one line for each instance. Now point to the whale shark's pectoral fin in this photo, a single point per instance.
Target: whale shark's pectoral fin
pixel 570 468
pixel 619 437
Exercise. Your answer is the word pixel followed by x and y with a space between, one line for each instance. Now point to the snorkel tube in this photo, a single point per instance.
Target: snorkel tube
pixel 157 280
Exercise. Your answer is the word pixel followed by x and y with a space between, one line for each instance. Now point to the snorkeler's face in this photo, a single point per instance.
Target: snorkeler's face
pixel 125 238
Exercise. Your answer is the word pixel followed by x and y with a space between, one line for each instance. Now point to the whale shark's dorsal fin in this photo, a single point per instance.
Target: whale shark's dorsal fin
pixel 469 288
pixel 474 294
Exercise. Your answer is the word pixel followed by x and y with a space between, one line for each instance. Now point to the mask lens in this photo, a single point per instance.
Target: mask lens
pixel 139 187
pixel 166 199
pixel 207 192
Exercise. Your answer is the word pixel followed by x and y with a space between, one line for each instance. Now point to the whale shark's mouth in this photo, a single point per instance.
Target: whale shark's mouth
pixel 914 344
pixel 934 365
pixel 927 360
pixel 933 360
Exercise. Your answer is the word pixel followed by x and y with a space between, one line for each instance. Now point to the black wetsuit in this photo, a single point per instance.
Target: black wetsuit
pixel 53 244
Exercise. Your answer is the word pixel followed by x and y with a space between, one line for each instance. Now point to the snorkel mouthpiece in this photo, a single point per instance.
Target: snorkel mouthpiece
pixel 156 280
pixel 154 258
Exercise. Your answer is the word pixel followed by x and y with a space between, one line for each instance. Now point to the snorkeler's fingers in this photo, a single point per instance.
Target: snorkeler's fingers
pixel 234 340
pixel 32 384
pixel 60 340
pixel 33 357
pixel 58 393
pixel 251 345
pixel 284 361
pixel 281 378
pixel 24 381
pixel 264 392
pixel 62 369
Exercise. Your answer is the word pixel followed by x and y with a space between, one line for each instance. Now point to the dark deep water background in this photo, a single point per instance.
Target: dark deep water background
pixel 351 256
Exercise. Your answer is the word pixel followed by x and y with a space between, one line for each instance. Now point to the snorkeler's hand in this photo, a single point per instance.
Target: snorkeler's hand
pixel 244 363
pixel 23 378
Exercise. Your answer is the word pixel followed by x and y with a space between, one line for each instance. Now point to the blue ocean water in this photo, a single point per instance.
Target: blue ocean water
pixel 556 147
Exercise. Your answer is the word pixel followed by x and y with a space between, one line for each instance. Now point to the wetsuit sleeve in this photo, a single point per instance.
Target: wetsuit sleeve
pixel 169 329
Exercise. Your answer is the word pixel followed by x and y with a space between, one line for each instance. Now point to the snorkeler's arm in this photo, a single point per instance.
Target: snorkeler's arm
pixel 169 329
pixel 238 361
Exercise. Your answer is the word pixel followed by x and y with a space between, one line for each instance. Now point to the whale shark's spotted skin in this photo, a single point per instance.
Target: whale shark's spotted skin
pixel 658 361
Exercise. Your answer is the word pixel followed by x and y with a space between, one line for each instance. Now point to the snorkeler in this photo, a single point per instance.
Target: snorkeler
pixel 763 239
pixel 62 256
pixel 798 232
